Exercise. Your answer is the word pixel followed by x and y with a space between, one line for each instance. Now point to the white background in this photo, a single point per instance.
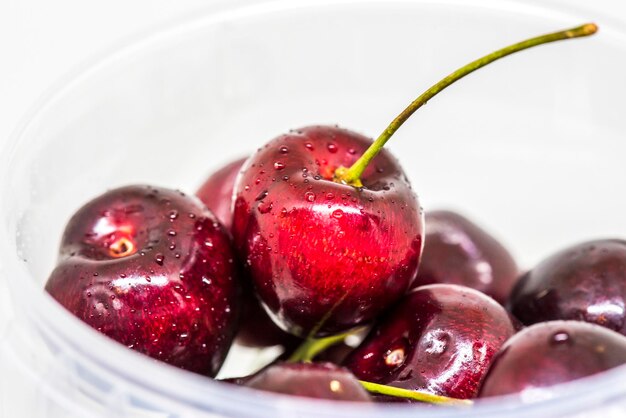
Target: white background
pixel 40 40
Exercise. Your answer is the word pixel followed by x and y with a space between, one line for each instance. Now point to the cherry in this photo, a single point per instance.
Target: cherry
pixel 153 269
pixel 440 339
pixel 330 239
pixel 585 282
pixel 553 352
pixel 459 252
pixel 312 380
pixel 256 328
pixel 303 378
pixel 336 354
pixel 217 191
pixel 325 256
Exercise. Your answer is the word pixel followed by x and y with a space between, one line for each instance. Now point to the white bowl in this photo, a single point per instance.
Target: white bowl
pixel 531 147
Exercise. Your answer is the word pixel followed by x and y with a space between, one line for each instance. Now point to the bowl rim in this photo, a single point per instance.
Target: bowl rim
pixel 58 325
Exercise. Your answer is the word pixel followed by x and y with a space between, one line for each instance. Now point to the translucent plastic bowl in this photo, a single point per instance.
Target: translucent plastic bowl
pixel 531 147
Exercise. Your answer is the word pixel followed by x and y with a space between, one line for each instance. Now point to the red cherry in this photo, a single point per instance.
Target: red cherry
pixel 458 251
pixel 553 352
pixel 324 256
pixel 585 282
pixel 256 328
pixel 153 269
pixel 332 240
pixel 440 339
pixel 312 380
pixel 217 191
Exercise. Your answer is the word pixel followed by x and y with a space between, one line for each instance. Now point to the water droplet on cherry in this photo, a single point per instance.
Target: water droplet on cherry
pixel 560 338
pixel 159 259
pixel 262 195
pixel 265 207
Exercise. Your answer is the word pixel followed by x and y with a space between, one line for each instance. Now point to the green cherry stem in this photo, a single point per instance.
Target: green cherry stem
pixel 413 395
pixel 352 175
pixel 311 347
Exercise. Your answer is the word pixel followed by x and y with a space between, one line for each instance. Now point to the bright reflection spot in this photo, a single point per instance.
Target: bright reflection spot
pixel 335 386
pixel 606 307
pixel 531 395
pixel 353 340
pixel 463 355
pixel 104 227
pixel 126 283
pixel 484 271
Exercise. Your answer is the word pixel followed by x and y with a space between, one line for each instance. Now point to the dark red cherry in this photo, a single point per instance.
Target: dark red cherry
pixel 458 251
pixel 312 380
pixel 325 256
pixel 336 354
pixel 217 191
pixel 586 282
pixel 256 328
pixel 154 270
pixel 553 352
pixel 440 339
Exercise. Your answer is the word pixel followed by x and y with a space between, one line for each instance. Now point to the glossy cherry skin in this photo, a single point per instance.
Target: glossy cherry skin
pixel 154 270
pixel 325 256
pixel 457 251
pixel 441 339
pixel 586 282
pixel 217 191
pixel 311 380
pixel 553 352
pixel 256 328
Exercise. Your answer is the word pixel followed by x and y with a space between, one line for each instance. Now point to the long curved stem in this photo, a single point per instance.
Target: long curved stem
pixel 352 175
pixel 413 395
pixel 311 347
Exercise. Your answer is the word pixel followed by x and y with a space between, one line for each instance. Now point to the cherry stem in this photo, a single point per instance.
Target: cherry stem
pixel 413 394
pixel 352 175
pixel 312 347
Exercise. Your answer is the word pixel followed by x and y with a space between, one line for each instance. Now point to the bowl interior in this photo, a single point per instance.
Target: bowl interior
pixel 531 147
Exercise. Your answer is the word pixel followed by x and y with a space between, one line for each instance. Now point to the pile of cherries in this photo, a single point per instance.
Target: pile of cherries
pixel 318 236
